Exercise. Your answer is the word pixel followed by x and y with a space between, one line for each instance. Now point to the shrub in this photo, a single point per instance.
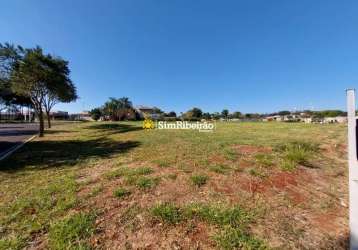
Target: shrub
pixel 199 180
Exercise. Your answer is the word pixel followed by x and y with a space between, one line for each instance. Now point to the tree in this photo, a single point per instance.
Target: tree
pixel 284 112
pixel 171 114
pixel 194 113
pixel 236 115
pixel 225 113
pixel 117 108
pixel 206 116
pixel 59 86
pixel 96 113
pixel 41 78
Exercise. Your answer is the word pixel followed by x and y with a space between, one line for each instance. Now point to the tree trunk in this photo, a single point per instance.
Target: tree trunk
pixel 48 119
pixel 41 119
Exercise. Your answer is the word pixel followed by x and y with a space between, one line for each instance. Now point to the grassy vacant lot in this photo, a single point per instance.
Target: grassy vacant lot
pixel 116 186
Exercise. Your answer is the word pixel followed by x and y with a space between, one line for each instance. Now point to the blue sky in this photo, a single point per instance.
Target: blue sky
pixel 251 56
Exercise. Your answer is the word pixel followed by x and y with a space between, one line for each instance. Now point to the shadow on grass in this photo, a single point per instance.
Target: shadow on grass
pixel 48 154
pixel 115 128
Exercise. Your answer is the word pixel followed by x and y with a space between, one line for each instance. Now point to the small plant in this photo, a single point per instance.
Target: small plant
pixel 121 192
pixel 146 182
pixel 167 212
pixel 199 180
pixel 72 232
pixel 126 171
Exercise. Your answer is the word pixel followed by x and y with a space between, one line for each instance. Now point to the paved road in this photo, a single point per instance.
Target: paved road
pixel 14 134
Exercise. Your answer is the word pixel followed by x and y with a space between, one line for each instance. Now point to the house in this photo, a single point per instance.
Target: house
pixel 277 118
pixel 337 119
pixel 83 116
pixel 147 112
pixel 59 115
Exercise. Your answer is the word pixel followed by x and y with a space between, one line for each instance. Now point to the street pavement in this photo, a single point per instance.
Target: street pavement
pixel 13 134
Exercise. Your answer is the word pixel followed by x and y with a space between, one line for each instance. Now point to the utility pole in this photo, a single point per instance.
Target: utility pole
pixel 353 168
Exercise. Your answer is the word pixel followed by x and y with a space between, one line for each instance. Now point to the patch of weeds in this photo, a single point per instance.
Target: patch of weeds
pixel 199 180
pixel 72 232
pixel 33 212
pixel 147 182
pixel 220 169
pixel 230 154
pixel 295 153
pixel 167 212
pixel 162 163
pixel 13 243
pixel 121 192
pixel 236 216
pixel 172 176
pixel 96 190
pixel 264 160
pixel 258 172
pixel 234 238
pixel 126 171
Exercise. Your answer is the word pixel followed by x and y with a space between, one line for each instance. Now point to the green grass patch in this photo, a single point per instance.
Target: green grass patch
pixel 72 232
pixel 219 168
pixel 234 238
pixel 121 192
pixel 143 182
pixel 265 160
pixel 167 212
pixel 199 179
pixel 126 171
pixel 296 153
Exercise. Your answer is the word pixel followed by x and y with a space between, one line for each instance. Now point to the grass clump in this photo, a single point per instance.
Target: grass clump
pixel 233 238
pixel 121 192
pixel 126 171
pixel 220 169
pixel 147 182
pixel 72 232
pixel 236 216
pixel 264 160
pixel 296 153
pixel 199 180
pixel 258 172
pixel 167 212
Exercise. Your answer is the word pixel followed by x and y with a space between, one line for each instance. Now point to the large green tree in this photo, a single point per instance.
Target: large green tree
pixel 41 78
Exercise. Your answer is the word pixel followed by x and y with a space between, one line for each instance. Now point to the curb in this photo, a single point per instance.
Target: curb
pixel 16 147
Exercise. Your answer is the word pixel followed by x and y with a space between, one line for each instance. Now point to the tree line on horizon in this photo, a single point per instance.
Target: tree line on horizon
pixel 29 77
pixel 119 109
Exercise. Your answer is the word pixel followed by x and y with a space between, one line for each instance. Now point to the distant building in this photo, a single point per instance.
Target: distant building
pixel 83 116
pixel 337 119
pixel 59 115
pixel 147 112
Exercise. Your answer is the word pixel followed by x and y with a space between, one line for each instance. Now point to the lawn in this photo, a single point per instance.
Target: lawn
pixel 117 186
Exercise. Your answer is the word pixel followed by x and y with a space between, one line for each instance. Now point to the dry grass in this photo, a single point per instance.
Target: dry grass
pixel 291 177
